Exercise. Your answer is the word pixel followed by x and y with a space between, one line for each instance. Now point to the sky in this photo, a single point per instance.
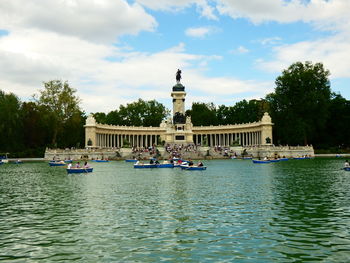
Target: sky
pixel 116 51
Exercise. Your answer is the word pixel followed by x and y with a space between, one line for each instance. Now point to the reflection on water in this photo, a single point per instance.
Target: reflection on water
pixel 293 211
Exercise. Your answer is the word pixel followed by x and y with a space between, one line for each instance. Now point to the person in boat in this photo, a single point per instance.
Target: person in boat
pixel 77 165
pixel 86 165
pixel 346 164
pixel 190 163
pixel 200 164
pixel 69 166
pixel 156 162
pixel 151 161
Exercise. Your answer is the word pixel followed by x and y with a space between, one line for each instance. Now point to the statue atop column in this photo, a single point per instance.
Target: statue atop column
pixel 178 86
pixel 178 76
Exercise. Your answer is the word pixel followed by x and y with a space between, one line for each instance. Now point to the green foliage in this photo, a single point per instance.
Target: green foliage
pixel 300 104
pixel 38 125
pixel 242 112
pixel 338 124
pixel 10 122
pixel 62 103
pixel 139 113
pixel 203 114
pixel 143 113
pixel 100 117
pixel 52 120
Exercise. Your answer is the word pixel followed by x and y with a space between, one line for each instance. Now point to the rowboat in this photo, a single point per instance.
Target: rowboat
pixel 193 167
pixel 130 160
pixel 284 159
pixel 261 161
pixel 3 158
pixel 79 170
pixel 146 165
pixel 101 161
pixel 57 163
pixel 165 165
pixel 346 168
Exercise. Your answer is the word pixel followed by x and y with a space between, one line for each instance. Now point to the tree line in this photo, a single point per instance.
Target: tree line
pixel 303 108
pixel 52 119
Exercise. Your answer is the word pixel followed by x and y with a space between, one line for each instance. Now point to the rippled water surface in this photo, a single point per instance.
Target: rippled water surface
pixel 292 211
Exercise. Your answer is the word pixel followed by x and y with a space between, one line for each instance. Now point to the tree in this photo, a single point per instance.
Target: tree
pixel 37 122
pixel 242 112
pixel 100 117
pixel 338 124
pixel 203 114
pixel 139 113
pixel 113 118
pixel 300 103
pixel 60 99
pixel 11 138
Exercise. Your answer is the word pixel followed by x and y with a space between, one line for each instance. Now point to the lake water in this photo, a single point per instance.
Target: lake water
pixel 293 211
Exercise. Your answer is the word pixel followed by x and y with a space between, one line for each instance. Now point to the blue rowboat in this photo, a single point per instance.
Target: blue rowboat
pixel 101 161
pixel 56 164
pixel 261 161
pixel 193 168
pixel 346 168
pixel 275 160
pixel 146 165
pixel 130 160
pixel 165 165
pixel 79 170
pixel 284 159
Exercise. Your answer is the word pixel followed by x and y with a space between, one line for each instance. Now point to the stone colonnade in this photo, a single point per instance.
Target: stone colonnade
pixel 228 138
pixel 109 136
pixel 108 140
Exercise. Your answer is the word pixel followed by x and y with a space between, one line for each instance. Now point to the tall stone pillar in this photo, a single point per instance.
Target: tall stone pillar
pixel 90 132
pixel 266 129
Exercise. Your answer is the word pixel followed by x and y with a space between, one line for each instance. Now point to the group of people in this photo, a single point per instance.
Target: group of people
pixel 77 165
pixel 190 163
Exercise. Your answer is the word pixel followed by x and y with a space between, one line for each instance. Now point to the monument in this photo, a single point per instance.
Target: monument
pixel 179 129
pixel 254 138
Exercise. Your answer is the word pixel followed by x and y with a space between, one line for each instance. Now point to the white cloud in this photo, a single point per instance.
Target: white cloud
pixel 270 41
pixel 203 6
pixel 199 31
pixel 240 50
pixel 331 51
pixel 29 57
pixel 325 14
pixel 99 21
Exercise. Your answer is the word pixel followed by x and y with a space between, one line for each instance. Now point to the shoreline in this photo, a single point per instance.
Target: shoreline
pixel 42 159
